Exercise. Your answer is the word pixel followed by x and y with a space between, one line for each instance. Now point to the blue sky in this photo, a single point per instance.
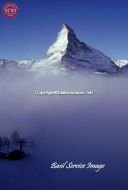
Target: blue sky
pixel 99 23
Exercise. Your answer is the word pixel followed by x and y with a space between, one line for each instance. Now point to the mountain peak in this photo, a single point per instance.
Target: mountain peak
pixel 65 36
pixel 67 27
pixel 67 30
pixel 69 52
pixel 121 63
pixel 61 41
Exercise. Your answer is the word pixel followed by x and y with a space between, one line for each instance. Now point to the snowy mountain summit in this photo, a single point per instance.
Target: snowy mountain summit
pixel 68 53
pixel 121 63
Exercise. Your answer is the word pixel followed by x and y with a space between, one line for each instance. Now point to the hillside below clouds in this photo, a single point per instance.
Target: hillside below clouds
pixel 67 54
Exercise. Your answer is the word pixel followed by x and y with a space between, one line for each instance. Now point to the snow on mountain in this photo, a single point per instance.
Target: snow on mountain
pixel 68 53
pixel 15 65
pixel 121 63
pixel 7 65
pixel 25 64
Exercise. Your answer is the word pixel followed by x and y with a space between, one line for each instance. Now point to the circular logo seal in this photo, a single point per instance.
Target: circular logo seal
pixel 10 10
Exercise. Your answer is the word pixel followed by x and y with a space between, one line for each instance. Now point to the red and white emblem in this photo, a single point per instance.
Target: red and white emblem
pixel 10 10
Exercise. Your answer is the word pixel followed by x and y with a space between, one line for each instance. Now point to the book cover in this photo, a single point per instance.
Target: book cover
pixel 63 95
